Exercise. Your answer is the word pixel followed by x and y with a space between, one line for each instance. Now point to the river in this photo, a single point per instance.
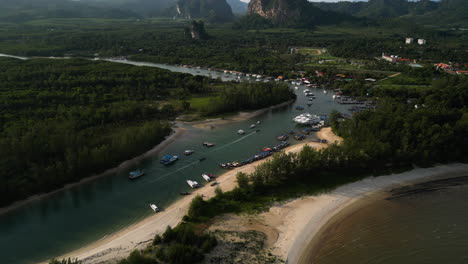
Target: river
pixel 75 217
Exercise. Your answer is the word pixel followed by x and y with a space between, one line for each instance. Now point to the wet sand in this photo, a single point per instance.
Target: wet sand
pixel 319 212
pixel 139 235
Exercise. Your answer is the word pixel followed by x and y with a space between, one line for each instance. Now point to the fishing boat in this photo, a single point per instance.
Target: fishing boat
pixel 299 137
pixel 208 144
pixel 206 177
pixel 154 208
pixel 282 137
pixel 193 184
pixel 226 165
pixel 168 159
pixel 290 132
pixel 241 132
pixel 188 152
pixel 136 174
pixel 267 149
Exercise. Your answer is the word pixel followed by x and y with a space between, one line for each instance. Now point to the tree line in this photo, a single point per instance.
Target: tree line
pixel 63 120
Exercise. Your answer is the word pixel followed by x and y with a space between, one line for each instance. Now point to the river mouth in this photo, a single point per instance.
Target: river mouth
pixel 75 217
pixel 421 223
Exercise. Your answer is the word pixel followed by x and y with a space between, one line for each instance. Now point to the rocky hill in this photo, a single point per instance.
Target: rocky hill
pixel 211 10
pixel 299 13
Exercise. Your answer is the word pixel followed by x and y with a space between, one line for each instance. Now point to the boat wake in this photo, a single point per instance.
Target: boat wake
pixel 234 142
pixel 197 161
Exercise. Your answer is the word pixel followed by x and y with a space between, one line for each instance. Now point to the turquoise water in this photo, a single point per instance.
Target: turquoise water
pixel 425 228
pixel 75 217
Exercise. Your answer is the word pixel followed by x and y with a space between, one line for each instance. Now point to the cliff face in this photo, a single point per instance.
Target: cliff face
pixel 279 11
pixel 196 30
pixel 295 13
pixel 211 10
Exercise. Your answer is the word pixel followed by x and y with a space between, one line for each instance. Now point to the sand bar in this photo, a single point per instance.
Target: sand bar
pixel 140 234
pixel 305 217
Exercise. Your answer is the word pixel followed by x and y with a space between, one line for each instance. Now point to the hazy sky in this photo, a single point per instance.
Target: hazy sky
pixel 321 0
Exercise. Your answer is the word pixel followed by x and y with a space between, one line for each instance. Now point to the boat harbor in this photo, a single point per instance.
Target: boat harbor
pixel 115 200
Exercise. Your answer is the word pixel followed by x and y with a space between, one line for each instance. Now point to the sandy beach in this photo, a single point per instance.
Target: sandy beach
pixel 208 123
pixel 305 218
pixel 177 132
pixel 139 235
pixel 289 227
pixel 293 227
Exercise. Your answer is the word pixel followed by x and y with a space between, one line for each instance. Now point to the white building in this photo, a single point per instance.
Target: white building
pixel 421 41
pixel 409 40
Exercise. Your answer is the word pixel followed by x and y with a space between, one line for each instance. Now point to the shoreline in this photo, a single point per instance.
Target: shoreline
pixel 177 132
pixel 138 235
pixel 240 116
pixel 318 212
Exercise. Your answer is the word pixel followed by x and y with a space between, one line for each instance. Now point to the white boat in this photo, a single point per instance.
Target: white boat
pixel 252 126
pixel 307 119
pixel 258 122
pixel 241 132
pixel 193 184
pixel 206 177
pixel 325 91
pixel 188 152
pixel 154 208
pixel 296 87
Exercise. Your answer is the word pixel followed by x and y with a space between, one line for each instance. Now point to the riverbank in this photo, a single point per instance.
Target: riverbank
pixel 139 235
pixel 177 132
pixel 241 116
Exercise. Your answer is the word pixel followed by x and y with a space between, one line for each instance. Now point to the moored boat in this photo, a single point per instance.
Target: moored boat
pixel 188 152
pixel 136 174
pixel 299 137
pixel 168 159
pixel 193 184
pixel 208 144
pixel 241 132
pixel 154 208
pixel 282 137
pixel 185 193
pixel 206 177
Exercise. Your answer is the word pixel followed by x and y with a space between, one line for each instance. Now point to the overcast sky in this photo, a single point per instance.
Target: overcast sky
pixel 321 0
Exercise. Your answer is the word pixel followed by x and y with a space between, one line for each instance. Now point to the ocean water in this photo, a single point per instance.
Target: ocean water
pixel 423 226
